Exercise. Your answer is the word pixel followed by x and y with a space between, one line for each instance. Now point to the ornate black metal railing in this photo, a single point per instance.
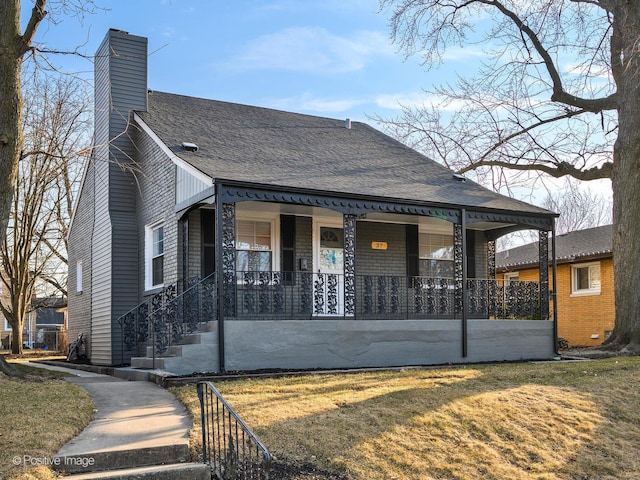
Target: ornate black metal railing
pixel 166 317
pixel 304 294
pixel 228 445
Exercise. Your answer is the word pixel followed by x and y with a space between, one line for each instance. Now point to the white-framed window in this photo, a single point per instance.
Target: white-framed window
pixel 436 255
pixel 79 276
pixel 510 277
pixel 254 245
pixel 154 256
pixel 585 279
pixel 7 327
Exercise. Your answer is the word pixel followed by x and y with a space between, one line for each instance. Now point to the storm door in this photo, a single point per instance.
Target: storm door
pixel 329 262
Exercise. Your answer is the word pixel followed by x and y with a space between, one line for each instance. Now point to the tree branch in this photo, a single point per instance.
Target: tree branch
pixel 37 15
pixel 560 170
pixel 559 94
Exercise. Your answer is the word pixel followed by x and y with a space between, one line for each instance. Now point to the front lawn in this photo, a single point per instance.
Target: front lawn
pixel 542 421
pixel 39 412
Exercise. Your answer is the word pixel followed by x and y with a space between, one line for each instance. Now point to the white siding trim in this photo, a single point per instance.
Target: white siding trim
pixel 206 179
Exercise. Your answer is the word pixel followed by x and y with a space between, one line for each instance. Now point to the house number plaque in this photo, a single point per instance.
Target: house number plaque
pixel 379 245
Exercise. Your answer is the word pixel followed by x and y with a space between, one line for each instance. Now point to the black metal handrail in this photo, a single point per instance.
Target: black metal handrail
pixel 228 445
pixel 166 317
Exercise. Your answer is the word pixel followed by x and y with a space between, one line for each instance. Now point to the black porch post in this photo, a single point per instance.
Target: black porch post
pixel 544 273
pixel 349 223
pixel 460 274
pixel 225 265
pixel 491 259
pixel 185 252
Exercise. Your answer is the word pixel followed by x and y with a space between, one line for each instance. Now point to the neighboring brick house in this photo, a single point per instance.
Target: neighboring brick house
pixel 585 297
pixel 212 236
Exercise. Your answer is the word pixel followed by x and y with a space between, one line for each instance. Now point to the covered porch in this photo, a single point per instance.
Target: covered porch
pixel 282 280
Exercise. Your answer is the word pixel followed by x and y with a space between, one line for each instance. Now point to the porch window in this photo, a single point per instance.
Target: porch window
pixel 154 250
pixel 254 246
pixel 436 255
pixel 585 279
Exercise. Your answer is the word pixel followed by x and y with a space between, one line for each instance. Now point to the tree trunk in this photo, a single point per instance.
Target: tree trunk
pixel 626 187
pixel 16 340
pixel 10 105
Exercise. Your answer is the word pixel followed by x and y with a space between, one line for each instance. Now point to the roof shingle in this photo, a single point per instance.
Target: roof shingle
pixel 272 147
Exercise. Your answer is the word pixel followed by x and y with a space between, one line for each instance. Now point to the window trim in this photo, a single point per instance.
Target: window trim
pixel 274 220
pixel 575 292
pixel 149 257
pixel 79 276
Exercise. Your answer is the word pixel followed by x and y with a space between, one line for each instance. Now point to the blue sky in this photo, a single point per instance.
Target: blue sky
pixel 323 57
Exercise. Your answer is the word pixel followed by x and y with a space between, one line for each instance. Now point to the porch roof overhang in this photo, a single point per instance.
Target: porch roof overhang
pixel 494 222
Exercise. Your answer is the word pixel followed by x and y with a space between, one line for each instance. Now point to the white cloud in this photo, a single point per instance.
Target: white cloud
pixel 310 103
pixel 415 99
pixel 312 50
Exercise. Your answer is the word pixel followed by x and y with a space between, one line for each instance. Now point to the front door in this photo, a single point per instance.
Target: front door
pixel 329 265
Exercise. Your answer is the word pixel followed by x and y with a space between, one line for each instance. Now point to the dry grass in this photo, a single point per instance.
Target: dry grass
pixel 516 421
pixel 39 413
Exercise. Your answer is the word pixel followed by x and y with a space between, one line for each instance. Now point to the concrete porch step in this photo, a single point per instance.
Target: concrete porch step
pixel 147 362
pixel 113 459
pixel 177 471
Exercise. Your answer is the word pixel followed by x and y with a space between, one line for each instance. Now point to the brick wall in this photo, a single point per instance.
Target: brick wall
pixel 581 316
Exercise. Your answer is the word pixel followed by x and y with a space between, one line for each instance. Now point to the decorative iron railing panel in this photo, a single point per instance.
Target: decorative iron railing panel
pixel 165 318
pixel 228 445
pixel 264 295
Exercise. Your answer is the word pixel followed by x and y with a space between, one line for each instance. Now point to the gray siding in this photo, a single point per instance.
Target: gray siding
pixel 120 86
pixel 187 185
pixel 79 316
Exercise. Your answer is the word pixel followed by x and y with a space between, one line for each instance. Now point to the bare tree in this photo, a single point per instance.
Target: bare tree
pixel 557 94
pixel 34 255
pixel 579 208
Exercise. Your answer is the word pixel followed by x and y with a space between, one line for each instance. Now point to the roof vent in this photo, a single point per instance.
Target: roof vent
pixel 190 147
pixel 347 124
pixel 458 177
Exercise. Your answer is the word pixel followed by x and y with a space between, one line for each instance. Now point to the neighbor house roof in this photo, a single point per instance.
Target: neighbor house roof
pixel 289 150
pixel 573 246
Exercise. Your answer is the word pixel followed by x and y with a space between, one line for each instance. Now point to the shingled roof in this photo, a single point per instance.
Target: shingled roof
pixel 574 246
pixel 290 150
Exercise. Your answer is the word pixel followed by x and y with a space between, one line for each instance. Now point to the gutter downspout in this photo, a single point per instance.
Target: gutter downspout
pixel 463 221
pixel 554 297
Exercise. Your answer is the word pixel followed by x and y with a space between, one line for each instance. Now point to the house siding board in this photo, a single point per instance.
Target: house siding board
pixel 79 303
pixel 187 185
pixel 120 87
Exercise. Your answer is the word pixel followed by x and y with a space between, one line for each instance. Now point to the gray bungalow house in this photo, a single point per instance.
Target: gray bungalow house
pixel 210 236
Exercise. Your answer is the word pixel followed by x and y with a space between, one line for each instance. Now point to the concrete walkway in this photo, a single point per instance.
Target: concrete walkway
pixel 137 424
